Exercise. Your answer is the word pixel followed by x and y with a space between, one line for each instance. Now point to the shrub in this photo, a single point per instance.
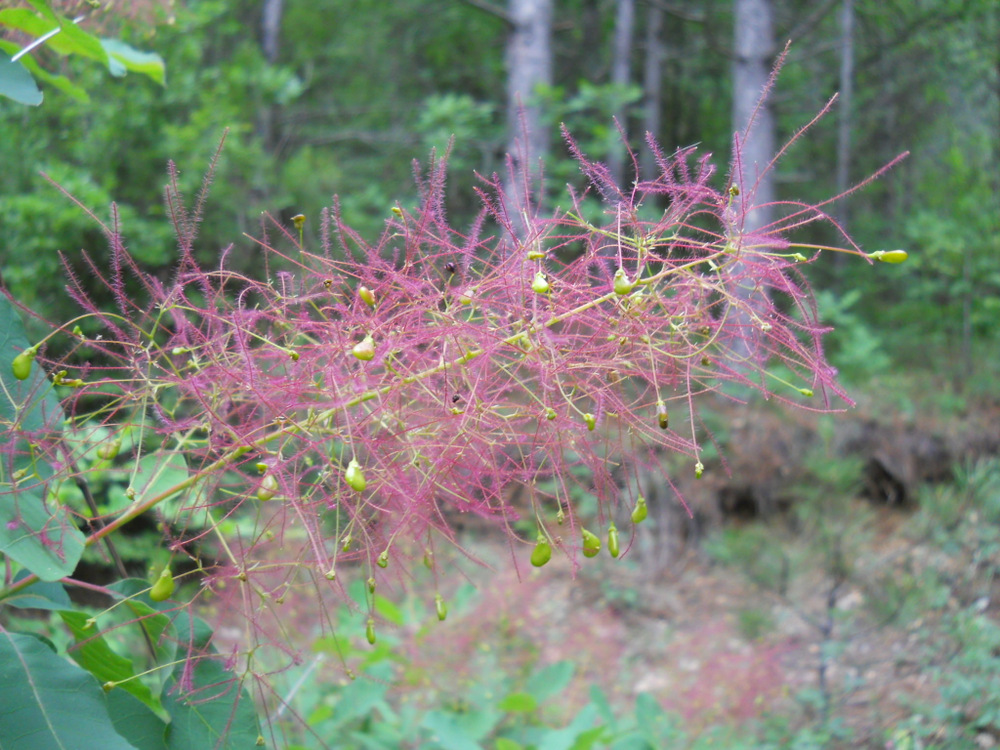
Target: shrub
pixel 327 422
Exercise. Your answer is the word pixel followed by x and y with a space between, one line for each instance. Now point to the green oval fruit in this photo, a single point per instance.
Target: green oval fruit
pixel 355 477
pixel 440 607
pixel 163 587
pixel 890 256
pixel 542 552
pixel 370 631
pixel 371 585
pixel 268 488
pixel 364 349
pixel 540 285
pixel 613 540
pixel 591 421
pixel 109 450
pixel 591 544
pixel 383 559
pixel 640 511
pixel 622 285
pixel 21 366
pixel 367 295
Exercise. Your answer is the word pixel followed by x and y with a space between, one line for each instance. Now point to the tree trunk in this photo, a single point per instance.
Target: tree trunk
pixel 270 29
pixel 529 65
pixel 651 85
pixel 754 47
pixel 270 36
pixel 846 105
pixel 753 121
pixel 620 65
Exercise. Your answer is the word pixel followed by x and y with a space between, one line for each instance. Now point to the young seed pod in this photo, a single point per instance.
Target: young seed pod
pixel 440 607
pixel 698 469
pixel 428 559
pixel 613 540
pixel 364 349
pixel 622 284
pixel 542 552
pixel 662 417
pixel 591 544
pixel 889 256
pixel 355 477
pixel 640 511
pixel 371 585
pixel 591 421
pixel 21 366
pixel 465 296
pixel 268 488
pixel 109 450
pixel 367 295
pixel 383 559
pixel 540 285
pixel 299 221
pixel 163 587
pixel 370 631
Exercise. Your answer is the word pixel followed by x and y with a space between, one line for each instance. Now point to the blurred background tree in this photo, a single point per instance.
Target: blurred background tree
pixel 336 97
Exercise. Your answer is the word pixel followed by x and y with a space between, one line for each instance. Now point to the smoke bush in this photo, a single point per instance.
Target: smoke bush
pixel 353 400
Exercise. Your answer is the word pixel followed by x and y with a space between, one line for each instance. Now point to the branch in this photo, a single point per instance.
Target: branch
pixel 493 10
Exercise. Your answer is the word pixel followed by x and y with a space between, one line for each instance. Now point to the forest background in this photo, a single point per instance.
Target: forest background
pixel 338 98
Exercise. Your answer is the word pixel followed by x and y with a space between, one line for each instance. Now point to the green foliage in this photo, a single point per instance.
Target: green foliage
pixel 855 347
pixel 44 541
pixel 40 542
pixel 64 37
pixel 100 699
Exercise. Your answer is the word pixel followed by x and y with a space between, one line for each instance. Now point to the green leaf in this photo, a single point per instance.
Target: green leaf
pixel 47 544
pixel 505 744
pixel 40 537
pixel 159 473
pixel 459 731
pixel 129 58
pixel 551 680
pixel 388 610
pixel 93 653
pixel 39 595
pixel 160 627
pixel 60 82
pixel 653 722
pixel 49 703
pixel 603 706
pixel 135 722
pixel 71 39
pixel 518 703
pixel 217 712
pixel 16 83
